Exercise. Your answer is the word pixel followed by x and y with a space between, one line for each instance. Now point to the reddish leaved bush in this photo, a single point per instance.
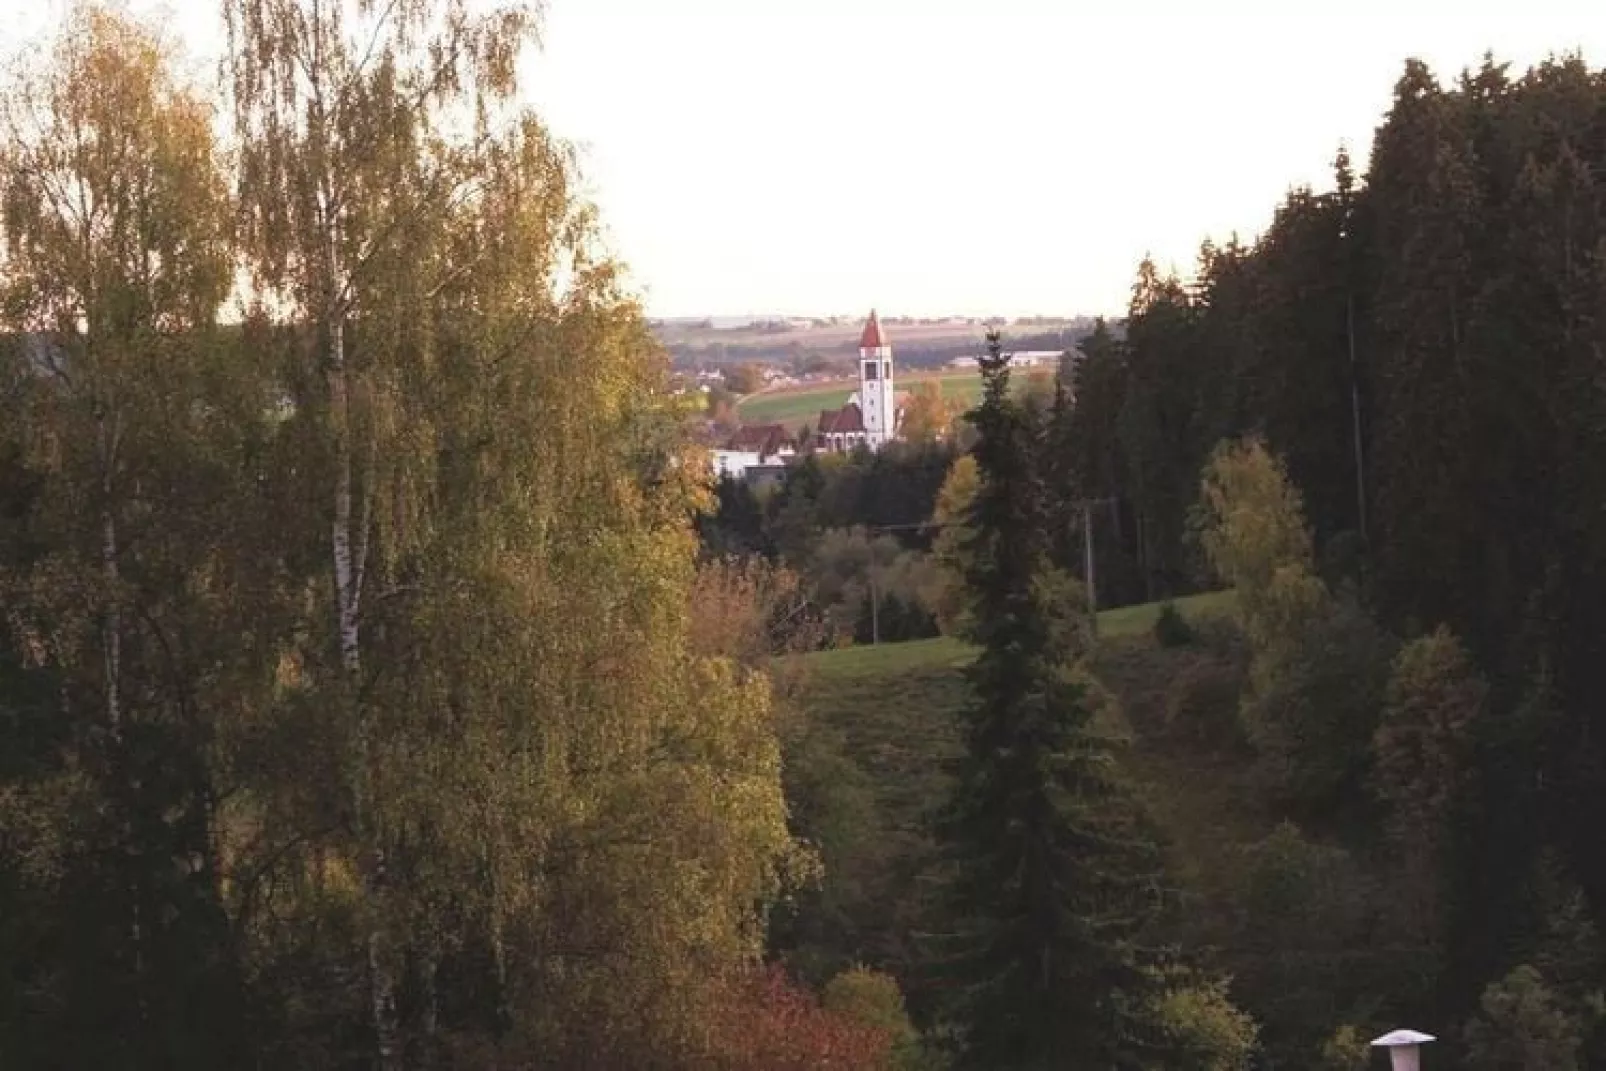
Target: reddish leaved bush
pixel 767 1022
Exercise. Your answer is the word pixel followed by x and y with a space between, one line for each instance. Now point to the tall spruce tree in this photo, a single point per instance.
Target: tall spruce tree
pixel 1089 462
pixel 1054 872
pixel 1159 419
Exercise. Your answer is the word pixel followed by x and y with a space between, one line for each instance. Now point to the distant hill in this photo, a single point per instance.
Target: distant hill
pixel 796 342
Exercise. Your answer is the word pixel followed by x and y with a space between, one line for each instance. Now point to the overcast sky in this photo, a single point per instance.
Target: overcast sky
pixel 1004 157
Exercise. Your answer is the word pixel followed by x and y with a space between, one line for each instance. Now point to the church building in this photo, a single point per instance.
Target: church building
pixel 873 412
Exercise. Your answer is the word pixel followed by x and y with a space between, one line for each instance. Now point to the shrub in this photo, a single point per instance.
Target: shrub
pixel 1311 712
pixel 1223 638
pixel 874 999
pixel 768 1021
pixel 1523 1023
pixel 1206 1029
pixel 1342 560
pixel 1346 1050
pixel 1201 703
pixel 1422 745
pixel 1300 958
pixel 1171 629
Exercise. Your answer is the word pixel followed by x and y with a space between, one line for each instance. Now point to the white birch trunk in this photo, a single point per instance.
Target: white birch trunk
pixel 348 591
pixel 111 627
pixel 349 546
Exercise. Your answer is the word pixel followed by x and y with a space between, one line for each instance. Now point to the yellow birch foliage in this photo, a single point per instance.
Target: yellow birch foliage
pixel 1251 526
pixel 556 729
pixel 951 600
pixel 115 260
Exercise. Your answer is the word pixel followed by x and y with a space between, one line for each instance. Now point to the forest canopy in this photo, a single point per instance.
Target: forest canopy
pixel 378 692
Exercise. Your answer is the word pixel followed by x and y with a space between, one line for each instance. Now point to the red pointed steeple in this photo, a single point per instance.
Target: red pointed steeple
pixel 872 338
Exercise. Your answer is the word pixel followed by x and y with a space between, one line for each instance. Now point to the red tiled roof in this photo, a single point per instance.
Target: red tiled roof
pixel 872 337
pixel 841 421
pixel 765 439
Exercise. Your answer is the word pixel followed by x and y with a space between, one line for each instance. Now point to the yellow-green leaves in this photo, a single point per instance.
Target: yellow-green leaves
pixel 392 584
pixel 952 517
pixel 1250 524
pixel 1210 1032
pixel 928 416
pixel 115 209
pixel 1252 528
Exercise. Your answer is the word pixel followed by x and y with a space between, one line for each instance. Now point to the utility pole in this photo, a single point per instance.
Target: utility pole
pixel 1349 266
pixel 1089 571
pixel 1089 564
pixel 1355 413
pixel 1090 575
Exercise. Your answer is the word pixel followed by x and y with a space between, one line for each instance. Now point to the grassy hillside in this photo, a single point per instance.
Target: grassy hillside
pixel 945 653
pixel 866 767
pixel 1290 916
pixel 793 407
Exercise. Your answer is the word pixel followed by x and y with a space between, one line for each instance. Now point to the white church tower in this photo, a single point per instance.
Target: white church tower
pixel 876 399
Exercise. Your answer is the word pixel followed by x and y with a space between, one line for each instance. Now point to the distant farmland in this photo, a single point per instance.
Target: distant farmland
pixel 928 344
pixel 793 406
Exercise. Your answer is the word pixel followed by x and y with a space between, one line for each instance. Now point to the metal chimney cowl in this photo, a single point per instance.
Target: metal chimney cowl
pixel 1405 1048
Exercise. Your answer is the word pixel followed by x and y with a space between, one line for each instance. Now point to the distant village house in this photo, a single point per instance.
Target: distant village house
pixel 1020 359
pixel 754 446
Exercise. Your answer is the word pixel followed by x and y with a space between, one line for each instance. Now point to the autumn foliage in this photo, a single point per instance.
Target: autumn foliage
pixel 768 1021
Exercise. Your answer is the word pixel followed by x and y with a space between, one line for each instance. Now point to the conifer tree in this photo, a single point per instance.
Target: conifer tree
pixel 1054 872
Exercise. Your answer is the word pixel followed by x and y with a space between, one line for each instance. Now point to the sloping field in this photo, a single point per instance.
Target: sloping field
pixel 793 407
pixel 946 653
pixel 873 768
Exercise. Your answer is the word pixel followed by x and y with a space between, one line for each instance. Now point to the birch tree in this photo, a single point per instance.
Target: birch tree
pixel 114 239
pixel 345 112
pixel 115 262
pixel 601 802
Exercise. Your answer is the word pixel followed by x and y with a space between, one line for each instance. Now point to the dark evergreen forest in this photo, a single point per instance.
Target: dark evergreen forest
pixel 1424 346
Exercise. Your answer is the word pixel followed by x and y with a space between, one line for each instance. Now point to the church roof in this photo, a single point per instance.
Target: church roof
pixel 840 421
pixel 872 338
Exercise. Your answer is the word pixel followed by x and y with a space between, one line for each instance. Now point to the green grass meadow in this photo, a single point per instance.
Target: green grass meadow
pixel 792 407
pixel 945 653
